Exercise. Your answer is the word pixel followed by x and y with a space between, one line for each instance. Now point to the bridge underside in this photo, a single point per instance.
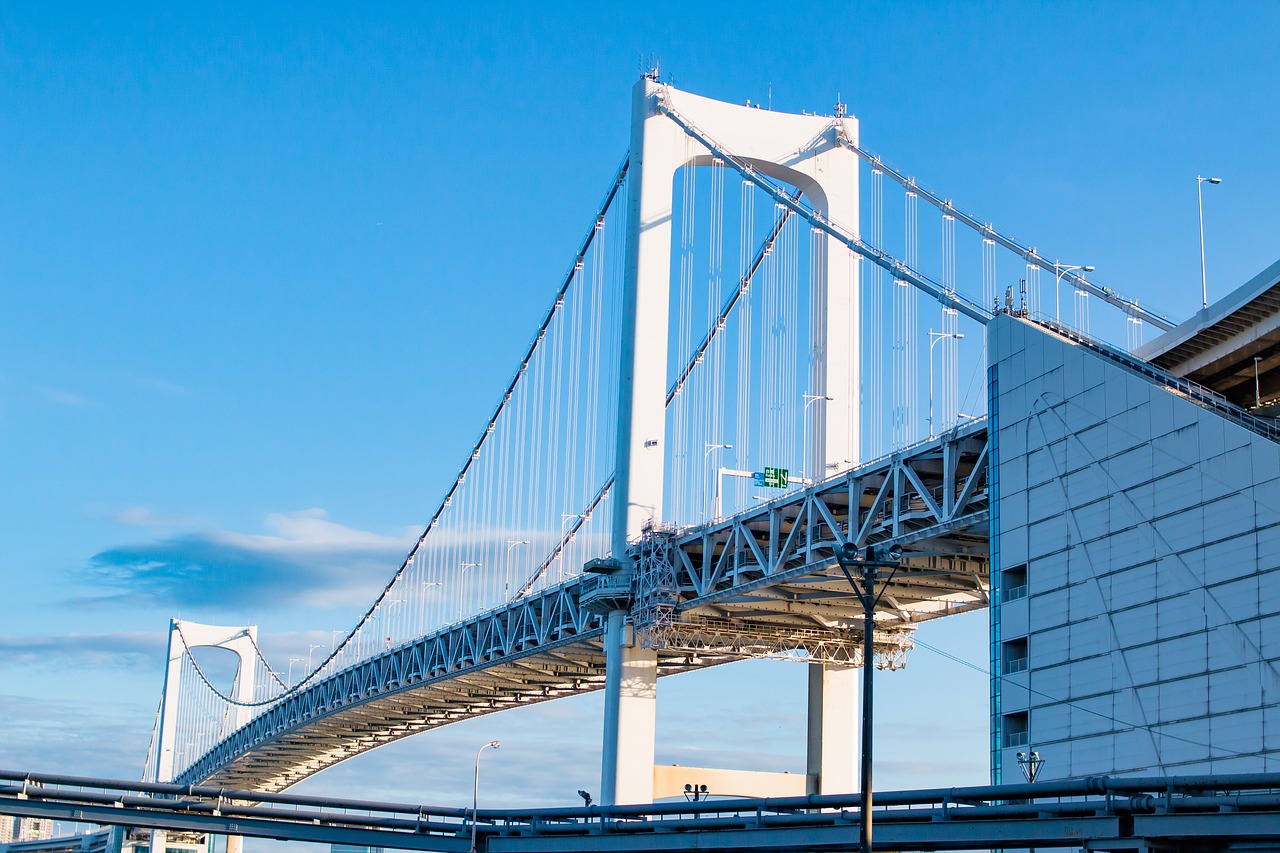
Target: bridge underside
pixel 768 582
pixel 764 583
pixel 575 665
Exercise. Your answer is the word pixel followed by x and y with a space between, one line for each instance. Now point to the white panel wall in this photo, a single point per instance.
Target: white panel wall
pixel 1150 531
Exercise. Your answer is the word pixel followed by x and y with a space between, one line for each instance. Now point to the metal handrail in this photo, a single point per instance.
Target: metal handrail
pixel 1199 394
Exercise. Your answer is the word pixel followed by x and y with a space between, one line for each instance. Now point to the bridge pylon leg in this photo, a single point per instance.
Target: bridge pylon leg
pixel 833 729
pixel 630 714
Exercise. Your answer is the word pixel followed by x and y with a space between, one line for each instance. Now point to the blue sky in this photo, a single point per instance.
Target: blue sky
pixel 263 273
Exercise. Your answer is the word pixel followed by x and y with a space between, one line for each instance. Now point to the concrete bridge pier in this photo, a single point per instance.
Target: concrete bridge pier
pixel 630 716
pixel 832 753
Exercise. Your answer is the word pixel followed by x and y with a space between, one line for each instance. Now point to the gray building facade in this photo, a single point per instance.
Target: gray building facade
pixel 1136 564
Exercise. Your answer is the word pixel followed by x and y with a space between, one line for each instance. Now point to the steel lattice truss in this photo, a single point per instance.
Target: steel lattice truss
pixel 767 581
pixel 763 583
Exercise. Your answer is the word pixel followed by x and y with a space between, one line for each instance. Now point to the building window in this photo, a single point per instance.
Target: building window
pixel 1015 656
pixel 1017 729
pixel 1013 583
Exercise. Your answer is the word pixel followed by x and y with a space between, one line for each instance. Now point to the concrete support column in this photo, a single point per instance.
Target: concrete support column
pixel 630 714
pixel 833 728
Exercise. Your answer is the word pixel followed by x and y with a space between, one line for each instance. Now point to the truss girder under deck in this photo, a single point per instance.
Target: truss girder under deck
pixel 772 573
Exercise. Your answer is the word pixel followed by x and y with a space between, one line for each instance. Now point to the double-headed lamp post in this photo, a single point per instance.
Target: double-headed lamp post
pixel 870 560
pixel 475 791
pixel 1204 279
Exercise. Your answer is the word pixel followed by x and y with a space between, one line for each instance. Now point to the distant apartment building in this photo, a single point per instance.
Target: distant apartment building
pixel 15 829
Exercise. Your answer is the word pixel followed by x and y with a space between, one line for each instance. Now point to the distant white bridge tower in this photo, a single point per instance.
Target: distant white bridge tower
pixel 805 152
pixel 184 636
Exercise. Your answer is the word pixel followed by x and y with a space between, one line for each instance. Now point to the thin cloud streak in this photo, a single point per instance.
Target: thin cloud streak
pixel 135 649
pixel 305 559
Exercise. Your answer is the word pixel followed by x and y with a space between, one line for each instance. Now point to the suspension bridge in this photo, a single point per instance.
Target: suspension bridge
pixel 748 364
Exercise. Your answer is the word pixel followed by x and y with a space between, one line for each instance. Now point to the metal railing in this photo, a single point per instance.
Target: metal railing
pixel 1202 396
pixel 969 817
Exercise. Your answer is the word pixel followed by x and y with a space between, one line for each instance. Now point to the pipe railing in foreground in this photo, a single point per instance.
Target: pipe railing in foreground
pixel 1115 795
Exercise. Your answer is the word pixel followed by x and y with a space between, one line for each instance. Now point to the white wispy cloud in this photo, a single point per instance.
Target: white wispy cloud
pixel 129 649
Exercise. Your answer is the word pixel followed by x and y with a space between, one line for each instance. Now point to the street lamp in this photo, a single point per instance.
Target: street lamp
pixel 475 791
pixel 707 455
pixel 292 661
pixel 1257 383
pixel 934 337
pixel 809 399
pixel 564 539
pixel 1204 281
pixel 313 647
pixel 462 584
pixel 871 560
pixel 1058 271
pixel 511 543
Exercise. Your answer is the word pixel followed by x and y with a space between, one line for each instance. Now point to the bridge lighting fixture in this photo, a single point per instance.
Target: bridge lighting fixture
pixel 1204 280
pixel 719 473
pixel 506 586
pixel 934 337
pixel 870 559
pixel 804 449
pixel 1058 271
pixel 586 797
pixel 1257 383
pixel 475 790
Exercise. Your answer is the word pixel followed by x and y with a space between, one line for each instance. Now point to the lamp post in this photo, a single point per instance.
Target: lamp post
pixel 462 584
pixel 809 399
pixel 1257 383
pixel 310 651
pixel 1058 271
pixel 475 790
pixel 707 455
pixel 292 661
pixel 564 538
pixel 934 337
pixel 511 543
pixel 871 560
pixel 1204 280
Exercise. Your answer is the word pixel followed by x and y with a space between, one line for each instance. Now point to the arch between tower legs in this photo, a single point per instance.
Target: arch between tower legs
pixel 242 641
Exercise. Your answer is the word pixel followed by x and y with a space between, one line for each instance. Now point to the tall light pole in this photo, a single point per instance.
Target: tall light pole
pixel 707 455
pixel 870 560
pixel 1058 271
pixel 1204 280
pixel 511 543
pixel 1257 383
pixel 462 585
pixel 292 661
pixel 809 399
pixel 310 650
pixel 564 538
pixel 475 791
pixel 934 337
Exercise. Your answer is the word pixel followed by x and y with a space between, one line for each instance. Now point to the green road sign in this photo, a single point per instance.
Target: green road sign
pixel 776 478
